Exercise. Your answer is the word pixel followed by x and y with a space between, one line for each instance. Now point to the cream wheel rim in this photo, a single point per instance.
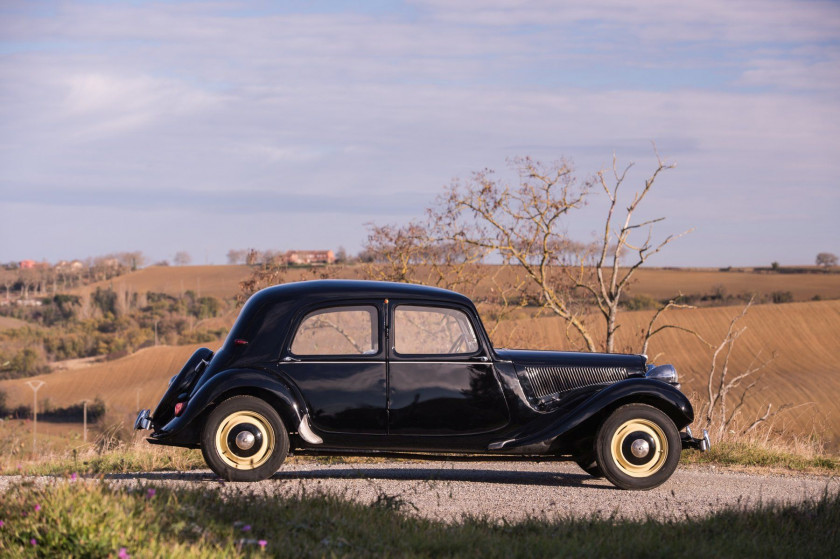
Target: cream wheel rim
pixel 639 447
pixel 245 440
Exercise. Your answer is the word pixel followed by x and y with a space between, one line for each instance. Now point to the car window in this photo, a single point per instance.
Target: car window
pixel 432 331
pixel 338 331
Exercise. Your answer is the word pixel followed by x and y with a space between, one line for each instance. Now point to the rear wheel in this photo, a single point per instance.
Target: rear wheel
pixel 638 447
pixel 244 439
pixel 589 465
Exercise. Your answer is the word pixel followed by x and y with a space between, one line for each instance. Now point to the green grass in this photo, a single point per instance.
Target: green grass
pixel 86 518
pixel 146 458
pixel 750 454
pixel 121 460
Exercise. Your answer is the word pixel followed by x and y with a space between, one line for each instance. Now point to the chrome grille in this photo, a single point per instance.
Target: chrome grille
pixel 553 380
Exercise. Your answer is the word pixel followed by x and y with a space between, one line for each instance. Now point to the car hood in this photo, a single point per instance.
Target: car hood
pixel 533 358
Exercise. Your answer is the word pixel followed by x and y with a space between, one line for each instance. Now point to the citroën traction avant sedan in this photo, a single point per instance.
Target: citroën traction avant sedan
pixel 360 367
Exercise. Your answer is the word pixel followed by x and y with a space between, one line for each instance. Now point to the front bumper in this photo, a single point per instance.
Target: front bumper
pixel 702 444
pixel 143 420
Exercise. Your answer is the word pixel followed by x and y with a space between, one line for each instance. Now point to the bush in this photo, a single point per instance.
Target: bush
pixel 641 302
pixel 781 297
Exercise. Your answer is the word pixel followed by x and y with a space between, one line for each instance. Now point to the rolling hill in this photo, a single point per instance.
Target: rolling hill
pixel 803 340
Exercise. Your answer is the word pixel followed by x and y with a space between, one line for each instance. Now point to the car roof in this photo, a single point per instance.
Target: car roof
pixel 337 289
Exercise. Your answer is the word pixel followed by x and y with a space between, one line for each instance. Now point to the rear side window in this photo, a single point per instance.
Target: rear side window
pixel 338 331
pixel 432 331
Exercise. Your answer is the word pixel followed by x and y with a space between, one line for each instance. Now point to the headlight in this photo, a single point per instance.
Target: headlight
pixel 665 373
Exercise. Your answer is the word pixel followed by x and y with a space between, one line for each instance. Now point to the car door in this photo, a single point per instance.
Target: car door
pixel 441 381
pixel 336 358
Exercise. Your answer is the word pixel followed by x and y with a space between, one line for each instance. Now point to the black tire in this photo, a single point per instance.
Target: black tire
pixel 589 465
pixel 638 447
pixel 244 439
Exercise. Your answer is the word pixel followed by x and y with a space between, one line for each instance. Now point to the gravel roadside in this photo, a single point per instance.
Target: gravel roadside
pixel 508 491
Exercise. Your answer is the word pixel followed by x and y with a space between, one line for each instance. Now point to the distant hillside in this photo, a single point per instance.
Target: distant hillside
pixel 216 281
pixel 143 375
pixel 223 281
pixel 8 323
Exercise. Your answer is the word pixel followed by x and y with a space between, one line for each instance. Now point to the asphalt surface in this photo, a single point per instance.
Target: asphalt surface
pixel 509 491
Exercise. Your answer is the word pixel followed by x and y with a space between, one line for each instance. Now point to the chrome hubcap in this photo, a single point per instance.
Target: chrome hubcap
pixel 245 440
pixel 640 448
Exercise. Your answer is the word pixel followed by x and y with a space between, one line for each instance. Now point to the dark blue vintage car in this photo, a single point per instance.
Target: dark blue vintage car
pixel 362 367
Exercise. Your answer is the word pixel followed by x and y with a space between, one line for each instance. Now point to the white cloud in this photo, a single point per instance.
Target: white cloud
pixel 189 97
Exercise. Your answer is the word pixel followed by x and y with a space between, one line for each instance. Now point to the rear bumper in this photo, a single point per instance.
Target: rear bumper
pixel 143 420
pixel 702 444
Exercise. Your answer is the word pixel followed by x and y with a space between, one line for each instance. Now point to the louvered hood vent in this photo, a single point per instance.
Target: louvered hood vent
pixel 546 381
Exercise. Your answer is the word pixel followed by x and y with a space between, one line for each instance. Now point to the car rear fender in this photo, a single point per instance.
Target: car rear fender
pixel 588 415
pixel 234 382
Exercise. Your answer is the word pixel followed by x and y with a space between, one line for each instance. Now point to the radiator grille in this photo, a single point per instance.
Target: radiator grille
pixel 554 380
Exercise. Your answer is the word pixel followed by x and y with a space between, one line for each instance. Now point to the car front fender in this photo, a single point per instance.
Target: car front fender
pixel 185 429
pixel 592 410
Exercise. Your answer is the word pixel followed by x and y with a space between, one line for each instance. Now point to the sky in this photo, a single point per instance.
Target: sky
pixel 167 126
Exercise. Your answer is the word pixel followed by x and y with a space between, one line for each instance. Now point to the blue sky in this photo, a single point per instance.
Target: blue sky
pixel 206 126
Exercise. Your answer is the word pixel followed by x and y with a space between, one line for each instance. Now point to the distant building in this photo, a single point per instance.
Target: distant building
pixel 65 267
pixel 32 265
pixel 310 257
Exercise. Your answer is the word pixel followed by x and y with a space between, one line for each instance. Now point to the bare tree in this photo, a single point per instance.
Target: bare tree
pixel 728 391
pixel 182 258
pixel 132 260
pixel 826 259
pixel 524 225
pixel 237 256
pixel 616 243
pixel 413 254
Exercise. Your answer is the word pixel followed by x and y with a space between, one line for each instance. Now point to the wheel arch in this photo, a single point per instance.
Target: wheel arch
pixel 589 427
pixel 186 429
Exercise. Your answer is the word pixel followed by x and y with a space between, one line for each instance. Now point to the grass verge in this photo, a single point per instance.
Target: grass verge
pixel 757 455
pixel 85 518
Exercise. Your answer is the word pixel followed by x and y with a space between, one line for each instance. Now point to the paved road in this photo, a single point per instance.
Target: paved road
pixel 514 490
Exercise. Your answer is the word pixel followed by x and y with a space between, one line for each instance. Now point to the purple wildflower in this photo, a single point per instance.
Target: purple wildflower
pixel 33 541
pixel 2 523
pixel 262 543
pixel 37 507
pixel 150 493
pixel 246 528
pixel 124 554
pixel 73 476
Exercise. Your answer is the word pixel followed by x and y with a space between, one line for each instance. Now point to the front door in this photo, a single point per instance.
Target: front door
pixel 441 382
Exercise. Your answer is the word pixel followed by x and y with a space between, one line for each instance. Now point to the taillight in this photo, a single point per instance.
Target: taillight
pixel 179 407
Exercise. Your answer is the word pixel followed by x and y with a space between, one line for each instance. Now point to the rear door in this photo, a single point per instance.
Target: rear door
pixel 337 359
pixel 441 381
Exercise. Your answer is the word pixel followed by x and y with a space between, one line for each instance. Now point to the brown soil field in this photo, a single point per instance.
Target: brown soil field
pixel 138 378
pixel 216 281
pixel 223 281
pixel 665 283
pixel 8 323
pixel 802 341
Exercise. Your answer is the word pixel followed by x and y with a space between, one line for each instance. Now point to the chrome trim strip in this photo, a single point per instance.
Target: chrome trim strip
pixel 306 433
pixel 499 445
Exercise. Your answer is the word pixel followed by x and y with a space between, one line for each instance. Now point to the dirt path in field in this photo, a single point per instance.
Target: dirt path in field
pixel 511 490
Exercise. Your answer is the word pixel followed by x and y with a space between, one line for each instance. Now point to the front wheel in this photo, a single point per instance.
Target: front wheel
pixel 244 439
pixel 638 447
